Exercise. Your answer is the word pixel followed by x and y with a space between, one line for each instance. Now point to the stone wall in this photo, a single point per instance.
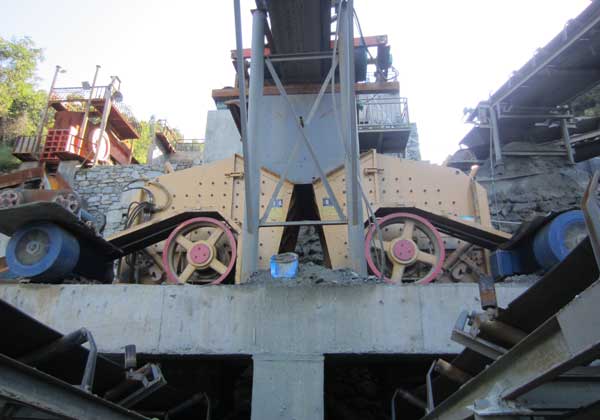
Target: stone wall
pixel 534 186
pixel 103 189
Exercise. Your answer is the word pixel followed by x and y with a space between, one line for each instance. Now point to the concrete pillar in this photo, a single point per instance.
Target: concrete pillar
pixel 287 387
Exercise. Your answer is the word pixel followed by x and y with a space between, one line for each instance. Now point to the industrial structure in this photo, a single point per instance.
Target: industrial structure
pixel 417 312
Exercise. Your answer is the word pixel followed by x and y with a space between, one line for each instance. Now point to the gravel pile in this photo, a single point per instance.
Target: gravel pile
pixel 310 274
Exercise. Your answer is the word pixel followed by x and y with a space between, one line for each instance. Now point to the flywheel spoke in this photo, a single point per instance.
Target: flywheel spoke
pixel 409 228
pixel 184 242
pixel 214 236
pixel 426 258
pixel 218 266
pixel 187 273
pixel 398 272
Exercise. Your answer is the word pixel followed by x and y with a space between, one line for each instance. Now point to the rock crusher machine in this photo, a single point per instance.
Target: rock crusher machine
pixel 421 222
pixel 186 226
pixel 410 221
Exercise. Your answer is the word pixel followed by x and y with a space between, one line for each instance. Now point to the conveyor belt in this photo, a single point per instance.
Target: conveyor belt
pixel 527 312
pixel 13 218
pixel 21 334
pixel 469 232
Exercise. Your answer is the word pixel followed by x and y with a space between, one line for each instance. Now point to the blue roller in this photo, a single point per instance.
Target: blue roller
pixel 556 240
pixel 42 251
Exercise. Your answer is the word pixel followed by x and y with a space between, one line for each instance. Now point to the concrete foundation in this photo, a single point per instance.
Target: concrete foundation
pixel 287 329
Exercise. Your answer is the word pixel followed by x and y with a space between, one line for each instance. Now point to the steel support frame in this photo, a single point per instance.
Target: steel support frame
pixel 567 340
pixel 354 217
pixel 44 120
pixel 33 388
pixel 251 141
pixel 495 133
pixel 305 139
pixel 104 120
pixel 64 344
pixel 349 130
pixel 564 126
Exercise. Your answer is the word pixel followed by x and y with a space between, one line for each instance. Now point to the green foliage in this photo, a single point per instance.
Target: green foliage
pixel 7 161
pixel 588 104
pixel 146 131
pixel 141 145
pixel 21 103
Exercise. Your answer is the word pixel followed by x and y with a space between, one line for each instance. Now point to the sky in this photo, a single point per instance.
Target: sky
pixel 171 54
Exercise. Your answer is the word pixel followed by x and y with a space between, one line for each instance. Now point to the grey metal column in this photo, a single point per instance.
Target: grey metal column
pixel 104 121
pixel 88 104
pixel 251 145
pixel 564 125
pixel 496 136
pixel 288 386
pixel 44 120
pixel 352 163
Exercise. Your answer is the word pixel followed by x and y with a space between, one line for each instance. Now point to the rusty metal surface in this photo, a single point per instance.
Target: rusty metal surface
pixel 487 292
pixel 19 177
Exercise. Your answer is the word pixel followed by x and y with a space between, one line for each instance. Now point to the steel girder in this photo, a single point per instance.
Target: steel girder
pixel 35 389
pixel 569 339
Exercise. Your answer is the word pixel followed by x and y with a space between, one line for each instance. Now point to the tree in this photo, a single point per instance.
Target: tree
pixel 147 130
pixel 21 103
pixel 141 145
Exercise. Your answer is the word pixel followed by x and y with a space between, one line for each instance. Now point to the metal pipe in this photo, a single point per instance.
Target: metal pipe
pixel 305 223
pixel 105 114
pixel 192 401
pixel 407 396
pixel 241 74
pixel 251 153
pixel 64 344
pixel 40 130
pixel 496 136
pixel 564 125
pixel 451 372
pixel 500 331
pixel 55 348
pixel 88 104
pixel 349 129
pixel 87 383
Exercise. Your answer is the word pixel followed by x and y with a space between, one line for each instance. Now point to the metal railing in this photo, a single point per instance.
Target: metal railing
pixel 168 132
pixel 76 94
pixel 382 112
pixel 79 94
pixel 25 145
pixel 189 145
pixel 374 77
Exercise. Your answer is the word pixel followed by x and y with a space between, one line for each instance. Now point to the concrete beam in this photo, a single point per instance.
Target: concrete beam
pixel 253 319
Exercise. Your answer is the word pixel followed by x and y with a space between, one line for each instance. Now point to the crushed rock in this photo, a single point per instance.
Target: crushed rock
pixel 523 279
pixel 310 274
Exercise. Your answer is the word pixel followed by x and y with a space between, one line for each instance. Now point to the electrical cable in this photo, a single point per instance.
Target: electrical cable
pixel 137 209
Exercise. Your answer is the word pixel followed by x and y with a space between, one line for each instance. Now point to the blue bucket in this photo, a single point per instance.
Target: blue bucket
pixel 284 265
